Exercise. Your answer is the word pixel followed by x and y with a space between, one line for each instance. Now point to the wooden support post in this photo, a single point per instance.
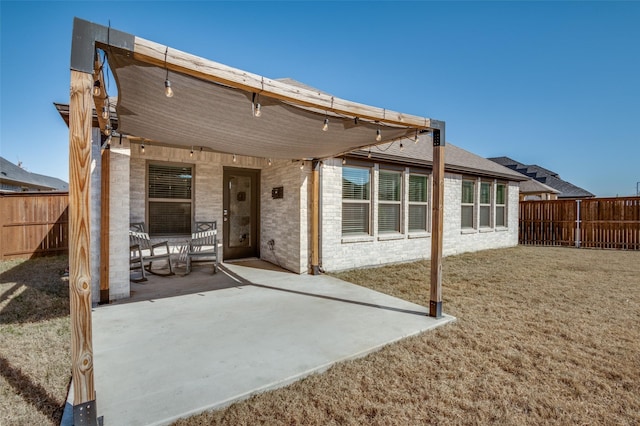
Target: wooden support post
pixel 437 219
pixel 315 218
pixel 104 225
pixel 80 115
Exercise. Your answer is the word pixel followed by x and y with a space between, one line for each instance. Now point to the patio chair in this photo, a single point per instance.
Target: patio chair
pixel 203 246
pixel 143 253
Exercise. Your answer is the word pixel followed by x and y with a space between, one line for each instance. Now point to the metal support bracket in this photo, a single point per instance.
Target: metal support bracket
pixel 435 309
pixel 437 128
pixel 87 35
pixel 436 137
pixel 86 414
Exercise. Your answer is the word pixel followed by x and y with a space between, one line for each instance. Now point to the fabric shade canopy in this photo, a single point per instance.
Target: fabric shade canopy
pixel 221 118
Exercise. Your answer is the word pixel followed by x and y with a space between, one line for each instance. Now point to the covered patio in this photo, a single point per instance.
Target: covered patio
pixel 298 124
pixel 254 329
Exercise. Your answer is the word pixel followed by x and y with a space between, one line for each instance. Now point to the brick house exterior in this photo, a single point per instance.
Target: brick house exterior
pixel 286 221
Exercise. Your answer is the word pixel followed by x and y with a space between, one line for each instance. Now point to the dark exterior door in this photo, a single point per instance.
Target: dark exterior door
pixel 240 213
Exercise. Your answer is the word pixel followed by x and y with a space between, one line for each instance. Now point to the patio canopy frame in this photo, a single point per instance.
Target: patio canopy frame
pixel 87 92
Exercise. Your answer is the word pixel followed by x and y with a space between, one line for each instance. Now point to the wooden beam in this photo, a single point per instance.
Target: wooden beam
pixel 176 60
pixel 81 108
pixel 104 224
pixel 315 218
pixel 437 219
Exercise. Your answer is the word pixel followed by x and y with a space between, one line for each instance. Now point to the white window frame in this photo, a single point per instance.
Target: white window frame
pixel 471 205
pixel 350 201
pixel 485 206
pixel 503 205
pixel 397 203
pixel 427 224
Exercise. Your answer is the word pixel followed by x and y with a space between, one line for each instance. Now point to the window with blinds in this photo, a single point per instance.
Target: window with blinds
pixel 418 202
pixel 501 204
pixel 485 204
pixel 468 202
pixel 169 198
pixel 389 201
pixel 356 201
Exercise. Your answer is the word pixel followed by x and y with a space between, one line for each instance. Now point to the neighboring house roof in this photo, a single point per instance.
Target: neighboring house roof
pixel 420 154
pixel 532 186
pixel 545 176
pixel 13 175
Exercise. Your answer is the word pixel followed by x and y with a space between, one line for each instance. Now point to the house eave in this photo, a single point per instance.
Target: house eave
pixel 416 162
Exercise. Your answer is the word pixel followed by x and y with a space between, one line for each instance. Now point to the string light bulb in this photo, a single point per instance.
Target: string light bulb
pixel 142 147
pixel 107 130
pixel 378 135
pixel 235 158
pixel 105 112
pixel 96 88
pixel 168 91
pixel 417 136
pixel 269 162
pixel 258 111
pixel 344 160
pixel 401 147
pixel 191 153
pixel 369 155
pixel 302 165
pixel 325 126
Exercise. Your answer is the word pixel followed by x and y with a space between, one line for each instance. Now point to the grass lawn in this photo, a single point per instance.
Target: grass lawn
pixel 35 345
pixel 544 335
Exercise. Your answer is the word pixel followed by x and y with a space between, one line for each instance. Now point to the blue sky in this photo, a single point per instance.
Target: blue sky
pixel 550 83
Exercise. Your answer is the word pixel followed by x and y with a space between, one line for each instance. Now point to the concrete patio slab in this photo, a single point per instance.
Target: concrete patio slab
pixel 163 359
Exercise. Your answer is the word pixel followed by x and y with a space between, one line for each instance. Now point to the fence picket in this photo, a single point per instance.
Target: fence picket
pixel 33 224
pixel 612 223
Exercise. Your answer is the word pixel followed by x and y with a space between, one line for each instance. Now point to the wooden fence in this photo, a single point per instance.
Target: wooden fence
pixel 33 224
pixel 612 223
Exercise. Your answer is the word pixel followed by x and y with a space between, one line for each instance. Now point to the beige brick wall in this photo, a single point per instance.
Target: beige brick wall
pixel 280 220
pixel 94 216
pixel 119 285
pixel 340 253
pixel 283 219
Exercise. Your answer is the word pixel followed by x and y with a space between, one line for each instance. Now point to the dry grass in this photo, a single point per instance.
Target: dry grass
pixel 544 335
pixel 34 341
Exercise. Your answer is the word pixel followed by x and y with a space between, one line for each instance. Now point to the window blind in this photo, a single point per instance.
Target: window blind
pixel 169 199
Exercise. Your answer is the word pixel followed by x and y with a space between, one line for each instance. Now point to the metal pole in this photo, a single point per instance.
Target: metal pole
pixel 578 223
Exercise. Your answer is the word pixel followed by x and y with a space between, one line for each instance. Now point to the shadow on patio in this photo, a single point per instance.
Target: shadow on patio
pixel 167 358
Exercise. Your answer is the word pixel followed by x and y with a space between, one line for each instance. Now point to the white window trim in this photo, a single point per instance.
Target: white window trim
pixel 419 232
pixel 365 236
pixel 489 206
pixel 474 225
pixel 505 205
pixel 399 203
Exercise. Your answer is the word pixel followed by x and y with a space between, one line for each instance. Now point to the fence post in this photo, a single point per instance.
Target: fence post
pixel 577 224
